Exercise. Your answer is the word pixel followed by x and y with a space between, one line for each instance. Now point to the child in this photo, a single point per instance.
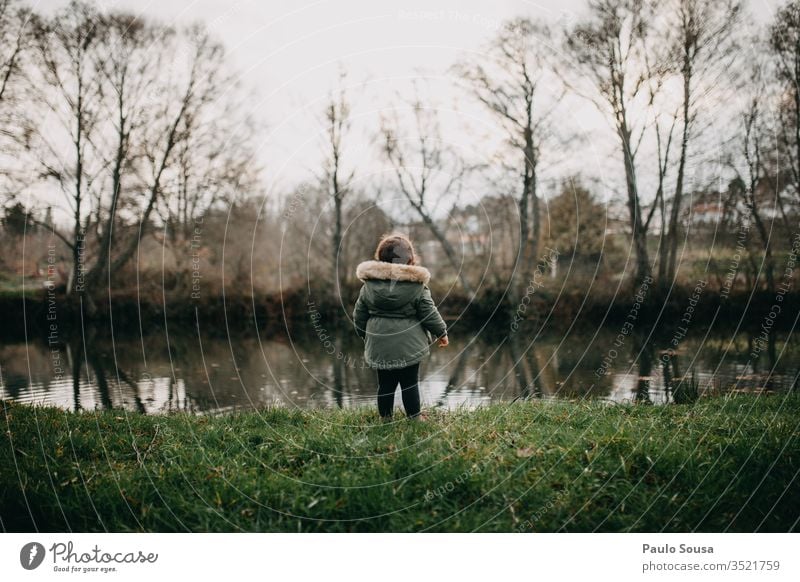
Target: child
pixel 394 315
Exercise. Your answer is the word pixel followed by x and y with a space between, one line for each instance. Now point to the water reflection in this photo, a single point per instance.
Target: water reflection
pixel 644 351
pixel 209 374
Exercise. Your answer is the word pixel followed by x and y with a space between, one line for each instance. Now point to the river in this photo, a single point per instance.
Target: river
pixel 163 372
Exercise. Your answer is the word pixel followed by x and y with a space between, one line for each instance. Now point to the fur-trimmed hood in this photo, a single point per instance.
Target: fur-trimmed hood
pixel 383 271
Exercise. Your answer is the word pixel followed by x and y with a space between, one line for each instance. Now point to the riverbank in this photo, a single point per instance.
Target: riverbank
pixel 36 311
pixel 724 464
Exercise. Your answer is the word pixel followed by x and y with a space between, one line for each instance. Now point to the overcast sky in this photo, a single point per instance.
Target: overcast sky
pixel 290 52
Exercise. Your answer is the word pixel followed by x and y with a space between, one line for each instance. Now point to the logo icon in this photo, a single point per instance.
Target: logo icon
pixel 31 555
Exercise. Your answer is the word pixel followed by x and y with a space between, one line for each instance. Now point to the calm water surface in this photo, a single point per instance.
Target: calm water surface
pixel 155 374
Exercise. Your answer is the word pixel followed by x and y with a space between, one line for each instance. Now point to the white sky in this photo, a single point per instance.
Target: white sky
pixel 290 54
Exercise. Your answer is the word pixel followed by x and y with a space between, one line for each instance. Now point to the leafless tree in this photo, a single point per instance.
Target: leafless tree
pixel 424 167
pixel 609 49
pixel 69 95
pixel 124 64
pixel 12 33
pixel 163 128
pixel 14 41
pixel 784 40
pixel 752 163
pixel 663 124
pixel 125 91
pixel 337 126
pixel 703 34
pixel 509 84
pixel 214 166
pixel 15 38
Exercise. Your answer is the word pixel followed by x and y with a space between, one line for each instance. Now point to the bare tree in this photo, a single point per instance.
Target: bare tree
pixel 609 49
pixel 337 126
pixel 124 90
pixel 702 45
pixel 753 182
pixel 214 166
pixel 14 41
pixel 663 126
pixel 509 85
pixel 420 162
pixel 784 40
pixel 124 64
pixel 163 128
pixel 70 95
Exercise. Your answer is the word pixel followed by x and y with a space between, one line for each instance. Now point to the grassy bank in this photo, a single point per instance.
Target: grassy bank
pixel 723 464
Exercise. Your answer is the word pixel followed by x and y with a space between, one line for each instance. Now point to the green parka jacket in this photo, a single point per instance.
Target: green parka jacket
pixel 395 314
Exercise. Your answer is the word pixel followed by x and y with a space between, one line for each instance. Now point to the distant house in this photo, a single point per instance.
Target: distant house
pixel 706 213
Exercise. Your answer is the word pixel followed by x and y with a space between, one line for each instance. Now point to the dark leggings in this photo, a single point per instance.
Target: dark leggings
pixel 408 378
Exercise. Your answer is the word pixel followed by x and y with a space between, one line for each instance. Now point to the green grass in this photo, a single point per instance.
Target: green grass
pixel 12 292
pixel 724 464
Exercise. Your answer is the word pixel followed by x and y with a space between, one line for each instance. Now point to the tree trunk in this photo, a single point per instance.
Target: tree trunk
pixel 529 218
pixel 534 201
pixel 678 199
pixel 637 228
pixel 76 247
pixel 337 243
pixel 796 96
pixel 105 265
pixel 769 261
pixel 663 246
pixel 104 255
pixel 448 249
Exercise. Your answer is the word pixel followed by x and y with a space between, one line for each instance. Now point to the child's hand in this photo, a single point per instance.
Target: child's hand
pixel 444 342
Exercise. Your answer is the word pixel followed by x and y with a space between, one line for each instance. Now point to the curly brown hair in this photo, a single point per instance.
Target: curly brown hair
pixel 396 248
